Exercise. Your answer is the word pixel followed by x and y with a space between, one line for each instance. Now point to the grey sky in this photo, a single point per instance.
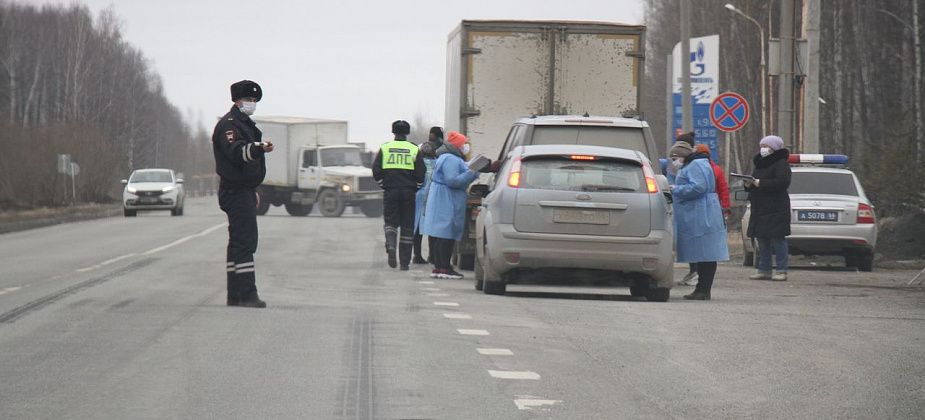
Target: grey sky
pixel 363 61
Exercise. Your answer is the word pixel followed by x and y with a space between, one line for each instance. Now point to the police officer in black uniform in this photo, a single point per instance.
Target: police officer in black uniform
pixel 239 161
pixel 399 169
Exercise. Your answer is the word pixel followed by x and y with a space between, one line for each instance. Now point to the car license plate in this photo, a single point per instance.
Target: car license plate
pixel 589 217
pixel 817 216
pixel 148 200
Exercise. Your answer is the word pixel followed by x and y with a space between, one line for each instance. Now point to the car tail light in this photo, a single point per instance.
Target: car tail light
pixel 865 214
pixel 651 184
pixel 514 179
pixel 582 157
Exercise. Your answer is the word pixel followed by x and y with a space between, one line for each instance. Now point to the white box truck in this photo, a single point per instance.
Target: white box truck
pixel 498 71
pixel 313 164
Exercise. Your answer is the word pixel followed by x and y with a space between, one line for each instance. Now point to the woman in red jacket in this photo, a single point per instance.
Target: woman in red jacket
pixel 722 190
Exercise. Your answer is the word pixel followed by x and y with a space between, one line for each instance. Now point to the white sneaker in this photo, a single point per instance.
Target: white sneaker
pixel 690 279
pixel 779 276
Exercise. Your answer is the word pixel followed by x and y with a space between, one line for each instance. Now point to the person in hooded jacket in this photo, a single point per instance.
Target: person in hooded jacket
pixel 445 212
pixel 769 222
pixel 700 231
pixel 428 150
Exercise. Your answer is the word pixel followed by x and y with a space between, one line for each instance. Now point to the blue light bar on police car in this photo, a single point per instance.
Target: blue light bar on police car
pixel 816 158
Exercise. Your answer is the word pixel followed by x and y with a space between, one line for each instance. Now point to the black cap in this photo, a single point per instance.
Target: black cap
pixel 246 89
pixel 401 127
pixel 438 131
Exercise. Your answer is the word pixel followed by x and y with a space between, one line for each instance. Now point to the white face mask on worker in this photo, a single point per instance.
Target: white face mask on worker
pixel 764 151
pixel 248 107
pixel 465 149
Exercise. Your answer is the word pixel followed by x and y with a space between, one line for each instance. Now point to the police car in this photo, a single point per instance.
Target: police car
pixel 830 213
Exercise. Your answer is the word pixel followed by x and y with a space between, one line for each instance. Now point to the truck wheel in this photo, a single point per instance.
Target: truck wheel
pixel 298 210
pixel 466 261
pixel 330 204
pixel 264 205
pixel 371 208
pixel 177 211
pixel 129 213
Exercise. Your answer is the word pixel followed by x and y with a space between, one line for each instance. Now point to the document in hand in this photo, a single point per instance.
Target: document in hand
pixel 478 162
pixel 746 177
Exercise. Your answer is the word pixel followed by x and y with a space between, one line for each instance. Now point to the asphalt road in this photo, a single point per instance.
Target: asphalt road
pixel 125 318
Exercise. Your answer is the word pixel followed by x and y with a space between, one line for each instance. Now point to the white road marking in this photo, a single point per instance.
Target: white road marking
pixel 425 282
pixel 473 332
pixel 496 352
pixel 446 304
pixel 119 258
pixel 513 374
pixel 457 316
pixel 9 290
pixel 85 269
pixel 183 239
pixel 438 294
pixel 430 289
pixel 529 403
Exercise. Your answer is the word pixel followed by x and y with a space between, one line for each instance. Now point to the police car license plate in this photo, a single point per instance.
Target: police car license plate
pixel 817 216
pixel 589 217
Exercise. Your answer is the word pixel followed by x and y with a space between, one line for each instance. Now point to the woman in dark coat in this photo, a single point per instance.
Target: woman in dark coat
pixel 769 223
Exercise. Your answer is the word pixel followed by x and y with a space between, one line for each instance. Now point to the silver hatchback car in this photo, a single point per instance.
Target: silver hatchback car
pixel 830 215
pixel 576 207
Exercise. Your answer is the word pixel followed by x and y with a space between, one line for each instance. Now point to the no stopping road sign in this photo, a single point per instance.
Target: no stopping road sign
pixel 729 112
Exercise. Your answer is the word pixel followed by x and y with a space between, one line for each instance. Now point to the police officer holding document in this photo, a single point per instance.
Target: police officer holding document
pixel 239 150
pixel 399 169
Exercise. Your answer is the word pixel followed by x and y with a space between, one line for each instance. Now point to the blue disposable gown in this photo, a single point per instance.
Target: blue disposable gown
pixel 445 211
pixel 700 232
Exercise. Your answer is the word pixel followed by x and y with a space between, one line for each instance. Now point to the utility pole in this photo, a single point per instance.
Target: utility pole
pixel 811 18
pixel 785 84
pixel 669 103
pixel 687 119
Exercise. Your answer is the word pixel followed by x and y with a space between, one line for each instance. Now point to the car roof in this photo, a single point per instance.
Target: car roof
pixel 592 120
pixel 820 169
pixel 577 149
pixel 153 170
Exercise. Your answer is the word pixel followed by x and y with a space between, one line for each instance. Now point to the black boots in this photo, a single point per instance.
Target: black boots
pixel 698 295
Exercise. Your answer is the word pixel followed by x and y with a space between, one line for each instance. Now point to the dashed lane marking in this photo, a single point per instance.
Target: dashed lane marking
pixel 457 316
pixel 425 282
pixel 530 403
pixel 472 332
pixel 495 352
pixel 446 304
pixel 116 259
pixel 513 374
pixel 9 290
pixel 438 294
pixel 430 289
pixel 183 239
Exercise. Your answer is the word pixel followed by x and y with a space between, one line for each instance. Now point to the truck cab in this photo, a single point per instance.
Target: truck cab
pixel 338 178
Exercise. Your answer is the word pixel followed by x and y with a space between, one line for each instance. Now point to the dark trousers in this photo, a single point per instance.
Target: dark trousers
pixel 705 273
pixel 443 252
pixel 398 213
pixel 419 246
pixel 240 206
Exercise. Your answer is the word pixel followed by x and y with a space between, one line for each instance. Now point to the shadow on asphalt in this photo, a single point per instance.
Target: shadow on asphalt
pixel 573 296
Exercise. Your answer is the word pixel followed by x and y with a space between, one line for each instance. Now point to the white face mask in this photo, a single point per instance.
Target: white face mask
pixel 764 151
pixel 248 107
pixel 677 162
pixel 465 149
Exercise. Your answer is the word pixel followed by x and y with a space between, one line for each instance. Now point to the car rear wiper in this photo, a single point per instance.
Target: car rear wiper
pixel 600 187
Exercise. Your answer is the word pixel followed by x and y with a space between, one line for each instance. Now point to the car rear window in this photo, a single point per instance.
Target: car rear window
pixel 622 137
pixel 151 176
pixel 822 183
pixel 565 174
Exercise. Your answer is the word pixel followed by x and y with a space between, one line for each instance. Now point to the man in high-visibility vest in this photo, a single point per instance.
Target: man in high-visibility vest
pixel 399 169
